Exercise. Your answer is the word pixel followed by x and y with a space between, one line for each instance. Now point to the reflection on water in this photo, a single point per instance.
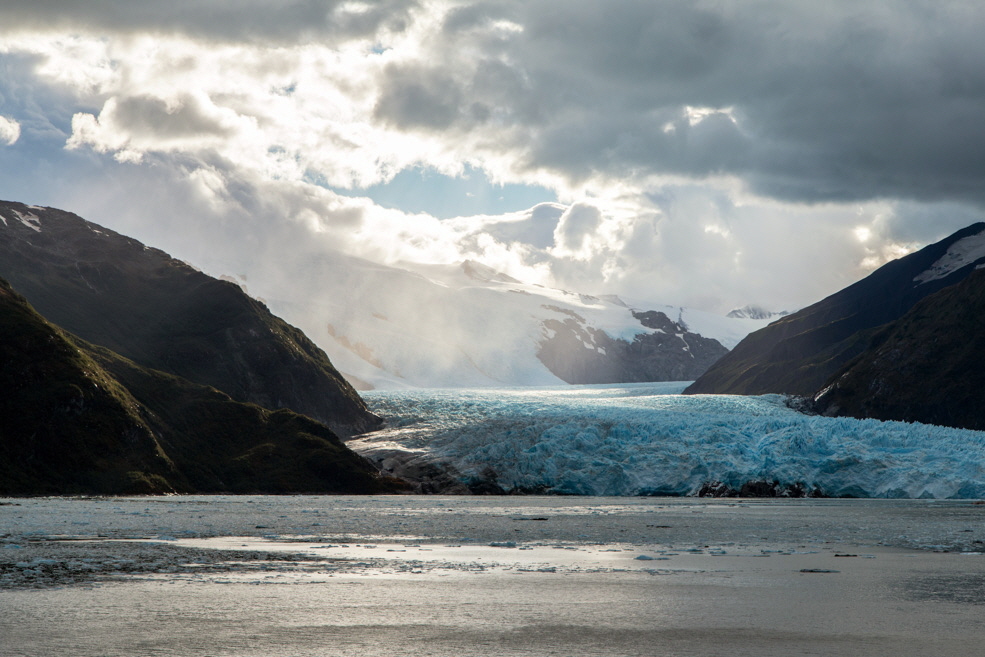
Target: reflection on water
pixel 320 576
pixel 964 588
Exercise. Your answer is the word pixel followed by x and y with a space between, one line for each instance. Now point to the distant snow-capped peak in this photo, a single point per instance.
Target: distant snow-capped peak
pixel 755 312
pixel 465 324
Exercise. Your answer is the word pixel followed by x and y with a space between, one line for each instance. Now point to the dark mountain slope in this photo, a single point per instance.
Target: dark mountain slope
pixel 928 366
pixel 671 354
pixel 66 426
pixel 79 419
pixel 221 445
pixel 800 352
pixel 163 314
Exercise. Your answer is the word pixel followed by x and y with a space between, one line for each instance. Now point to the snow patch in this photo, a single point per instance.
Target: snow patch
pixel 962 253
pixel 29 220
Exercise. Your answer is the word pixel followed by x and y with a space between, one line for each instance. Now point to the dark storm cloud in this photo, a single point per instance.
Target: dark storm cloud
pixel 261 20
pixel 418 97
pixel 833 101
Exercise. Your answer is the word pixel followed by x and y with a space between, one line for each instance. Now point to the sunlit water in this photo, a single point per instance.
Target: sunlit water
pixel 269 576
pixel 645 439
pixel 308 576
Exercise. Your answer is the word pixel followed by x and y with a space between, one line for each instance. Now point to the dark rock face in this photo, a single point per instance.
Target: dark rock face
pixel 79 419
pixel 928 366
pixel 758 488
pixel 800 352
pixel 163 314
pixel 577 353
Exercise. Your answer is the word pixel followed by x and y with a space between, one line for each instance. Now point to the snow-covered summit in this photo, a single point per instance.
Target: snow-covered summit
pixel 465 324
pixel 755 312
pixel 480 272
pixel 962 253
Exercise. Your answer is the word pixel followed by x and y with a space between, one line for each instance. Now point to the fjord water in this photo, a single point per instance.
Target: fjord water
pixel 511 576
pixel 647 439
pixel 271 576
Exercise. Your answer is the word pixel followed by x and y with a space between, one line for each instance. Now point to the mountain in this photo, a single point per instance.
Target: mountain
pixel 580 353
pixel 159 312
pixel 755 312
pixel 80 419
pixel 928 366
pixel 467 325
pixel 797 354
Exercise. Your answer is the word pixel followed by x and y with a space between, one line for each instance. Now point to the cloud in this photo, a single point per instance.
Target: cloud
pixel 133 125
pixel 698 153
pixel 576 225
pixel 416 97
pixel 10 130
pixel 288 21
pixel 813 103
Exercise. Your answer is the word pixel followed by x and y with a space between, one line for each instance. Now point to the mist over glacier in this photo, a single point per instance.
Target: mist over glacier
pixel 460 325
pixel 646 439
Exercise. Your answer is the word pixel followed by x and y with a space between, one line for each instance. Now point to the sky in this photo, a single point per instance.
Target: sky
pixel 707 154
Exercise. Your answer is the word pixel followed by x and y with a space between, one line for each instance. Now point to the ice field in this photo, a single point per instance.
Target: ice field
pixel 644 439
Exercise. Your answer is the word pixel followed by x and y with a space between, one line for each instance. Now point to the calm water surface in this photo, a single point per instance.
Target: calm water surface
pixel 312 576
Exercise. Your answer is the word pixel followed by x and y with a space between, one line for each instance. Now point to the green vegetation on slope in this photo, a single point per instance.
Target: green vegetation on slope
pixel 76 418
pixel 66 426
pixel 163 314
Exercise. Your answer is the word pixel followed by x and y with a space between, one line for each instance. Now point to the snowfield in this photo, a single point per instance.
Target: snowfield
pixel 462 325
pixel 646 439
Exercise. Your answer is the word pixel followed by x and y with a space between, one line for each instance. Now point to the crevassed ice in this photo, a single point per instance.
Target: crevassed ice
pixel 646 438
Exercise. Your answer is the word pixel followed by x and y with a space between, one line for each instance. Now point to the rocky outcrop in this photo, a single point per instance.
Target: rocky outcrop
pixel 578 353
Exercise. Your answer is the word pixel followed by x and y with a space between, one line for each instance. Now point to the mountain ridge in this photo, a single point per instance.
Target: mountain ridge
pixel 143 304
pixel 928 366
pixel 76 418
pixel 797 354
pixel 444 326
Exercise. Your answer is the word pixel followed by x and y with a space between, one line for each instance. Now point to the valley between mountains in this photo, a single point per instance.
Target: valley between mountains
pixel 127 371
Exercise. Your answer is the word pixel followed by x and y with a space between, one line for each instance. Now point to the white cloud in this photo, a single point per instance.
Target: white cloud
pixel 575 227
pixel 700 155
pixel 10 130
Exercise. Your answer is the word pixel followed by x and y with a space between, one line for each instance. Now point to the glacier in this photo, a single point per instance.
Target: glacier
pixel 459 325
pixel 647 439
